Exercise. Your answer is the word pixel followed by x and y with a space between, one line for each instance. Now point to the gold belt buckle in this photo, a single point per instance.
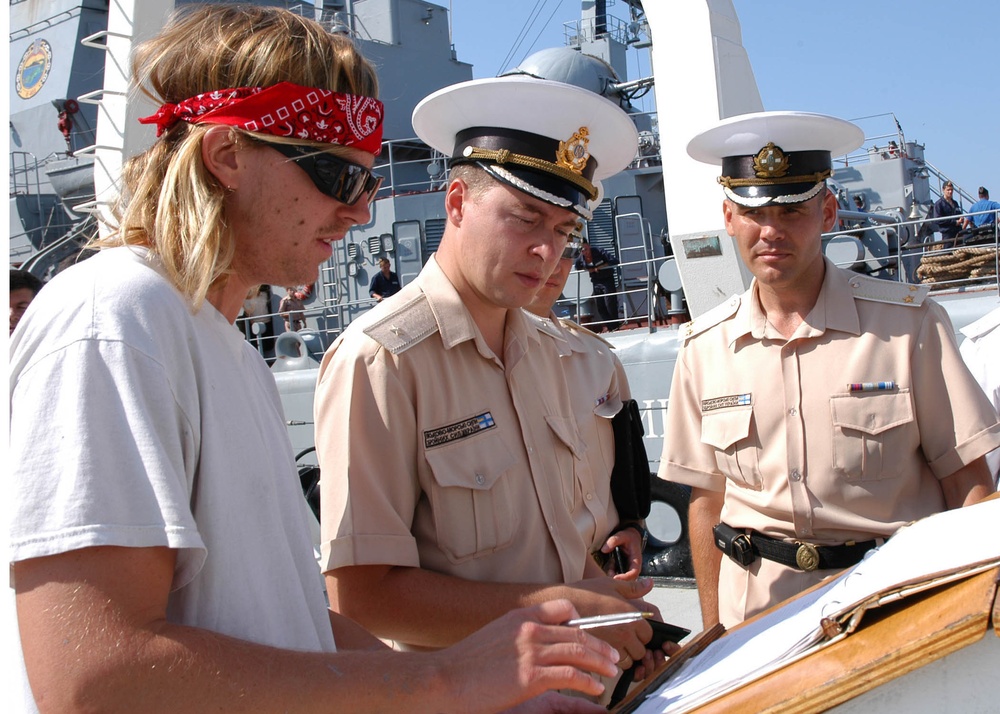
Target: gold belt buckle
pixel 807 557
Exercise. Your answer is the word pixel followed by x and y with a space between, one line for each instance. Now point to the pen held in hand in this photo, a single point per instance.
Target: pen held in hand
pixel 618 618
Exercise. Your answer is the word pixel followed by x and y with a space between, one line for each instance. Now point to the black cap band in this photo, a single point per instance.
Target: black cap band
pixel 531 161
pixel 516 142
pixel 774 174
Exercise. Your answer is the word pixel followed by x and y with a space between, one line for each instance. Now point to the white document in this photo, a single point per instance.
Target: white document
pixel 938 549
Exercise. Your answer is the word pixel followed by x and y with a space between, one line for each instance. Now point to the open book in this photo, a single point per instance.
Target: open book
pixel 935 550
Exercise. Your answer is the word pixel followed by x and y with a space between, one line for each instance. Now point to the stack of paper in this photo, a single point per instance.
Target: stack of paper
pixel 939 549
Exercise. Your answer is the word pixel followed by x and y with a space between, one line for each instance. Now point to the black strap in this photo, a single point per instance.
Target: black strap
pixel 630 486
pixel 831 557
pixel 621 687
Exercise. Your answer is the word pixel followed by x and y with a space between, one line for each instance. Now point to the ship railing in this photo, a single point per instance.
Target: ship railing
pixel 430 168
pixel 936 191
pixel 26 181
pixel 335 21
pixel 576 32
pixel 884 140
pixel 325 319
pixel 887 144
pixel 24 174
pixel 637 301
pixel 912 251
pixel 642 303
pixel 43 24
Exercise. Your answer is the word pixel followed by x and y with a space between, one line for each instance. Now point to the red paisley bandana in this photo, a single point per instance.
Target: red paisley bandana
pixel 284 109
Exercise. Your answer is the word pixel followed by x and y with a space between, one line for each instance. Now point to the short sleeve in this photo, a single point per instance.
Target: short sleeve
pixel 956 420
pixel 686 459
pixel 369 488
pixel 101 453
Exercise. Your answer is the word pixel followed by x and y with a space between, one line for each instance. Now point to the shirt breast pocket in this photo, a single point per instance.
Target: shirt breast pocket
pixel 471 498
pixel 729 432
pixel 870 433
pixel 574 471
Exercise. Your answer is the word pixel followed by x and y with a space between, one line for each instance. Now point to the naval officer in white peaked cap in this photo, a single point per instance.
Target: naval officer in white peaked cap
pixel 552 140
pixel 461 476
pixel 821 410
pixel 775 157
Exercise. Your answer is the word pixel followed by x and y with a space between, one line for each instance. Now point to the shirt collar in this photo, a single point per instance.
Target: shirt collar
pixel 454 321
pixel 554 328
pixel 834 310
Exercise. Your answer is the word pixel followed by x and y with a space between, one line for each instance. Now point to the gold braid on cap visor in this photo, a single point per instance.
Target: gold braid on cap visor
pixel 503 156
pixel 730 182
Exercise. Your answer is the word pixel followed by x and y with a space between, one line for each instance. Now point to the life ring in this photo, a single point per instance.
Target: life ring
pixel 70 106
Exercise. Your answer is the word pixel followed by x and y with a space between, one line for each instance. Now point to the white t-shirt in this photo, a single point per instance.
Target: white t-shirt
pixel 136 423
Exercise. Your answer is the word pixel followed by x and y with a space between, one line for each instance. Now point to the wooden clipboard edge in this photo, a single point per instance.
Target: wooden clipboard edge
pixel 995 614
pixel 652 683
pixel 858 671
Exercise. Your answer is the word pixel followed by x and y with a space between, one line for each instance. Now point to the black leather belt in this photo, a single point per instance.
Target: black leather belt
pixel 806 556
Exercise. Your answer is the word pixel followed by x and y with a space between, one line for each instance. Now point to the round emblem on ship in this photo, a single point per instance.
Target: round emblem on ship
pixel 33 69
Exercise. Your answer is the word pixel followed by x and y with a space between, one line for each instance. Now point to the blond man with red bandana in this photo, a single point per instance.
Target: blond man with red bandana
pixel 160 556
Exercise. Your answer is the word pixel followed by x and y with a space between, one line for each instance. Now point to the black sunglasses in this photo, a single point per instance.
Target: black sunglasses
pixel 335 177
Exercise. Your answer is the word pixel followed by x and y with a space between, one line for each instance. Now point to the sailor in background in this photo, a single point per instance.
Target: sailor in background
pixel 821 410
pixel 385 283
pixel 454 490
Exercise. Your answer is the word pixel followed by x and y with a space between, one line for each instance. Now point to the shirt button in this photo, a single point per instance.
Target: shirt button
pixel 480 479
pixel 590 497
pixel 795 475
pixel 793 412
pixel 530 450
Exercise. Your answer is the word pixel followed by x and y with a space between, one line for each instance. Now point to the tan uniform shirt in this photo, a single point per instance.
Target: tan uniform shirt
pixel 598 387
pixel 436 454
pixel 799 455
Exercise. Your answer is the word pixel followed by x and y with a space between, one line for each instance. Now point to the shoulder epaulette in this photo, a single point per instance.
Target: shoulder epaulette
pixel 984 325
pixel 577 327
pixel 889 291
pixel 711 318
pixel 404 326
pixel 542 324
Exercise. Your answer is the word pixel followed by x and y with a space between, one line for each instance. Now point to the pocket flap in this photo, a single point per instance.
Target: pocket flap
pixel 723 428
pixel 568 434
pixel 475 463
pixel 871 412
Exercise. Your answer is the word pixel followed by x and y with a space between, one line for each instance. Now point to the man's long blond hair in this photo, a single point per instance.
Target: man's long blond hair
pixel 170 202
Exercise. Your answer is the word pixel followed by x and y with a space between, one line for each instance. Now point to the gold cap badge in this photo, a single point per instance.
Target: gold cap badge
pixel 770 162
pixel 573 154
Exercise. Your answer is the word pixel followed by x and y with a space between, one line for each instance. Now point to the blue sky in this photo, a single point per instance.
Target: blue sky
pixel 933 64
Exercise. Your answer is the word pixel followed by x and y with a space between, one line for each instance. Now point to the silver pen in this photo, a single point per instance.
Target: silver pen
pixel 618 618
